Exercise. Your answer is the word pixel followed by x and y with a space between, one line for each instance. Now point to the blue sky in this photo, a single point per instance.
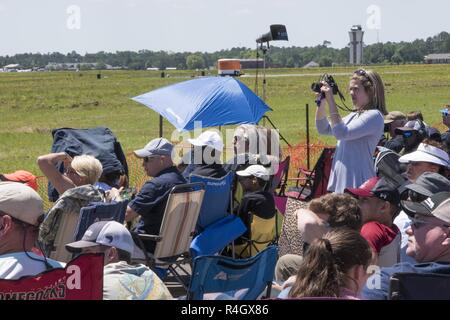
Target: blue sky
pixel 207 25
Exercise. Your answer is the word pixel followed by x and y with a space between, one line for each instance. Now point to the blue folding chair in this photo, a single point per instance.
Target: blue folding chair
pixel 225 277
pixel 419 286
pixel 216 226
pixel 217 201
pixel 100 211
pixel 73 226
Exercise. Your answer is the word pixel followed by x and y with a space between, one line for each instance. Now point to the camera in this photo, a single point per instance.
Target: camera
pixel 315 86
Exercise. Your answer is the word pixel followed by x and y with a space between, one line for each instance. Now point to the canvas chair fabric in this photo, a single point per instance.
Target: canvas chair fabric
pixel 279 180
pixel 99 142
pixel 316 181
pixel 217 199
pixel 242 279
pixel 176 232
pixel 100 211
pixel 58 284
pixel 177 227
pixel 262 233
pixel 217 236
pixel 73 225
pixel 419 286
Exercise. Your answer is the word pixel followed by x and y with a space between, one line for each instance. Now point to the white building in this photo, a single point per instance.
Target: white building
pixel 436 58
pixel 356 44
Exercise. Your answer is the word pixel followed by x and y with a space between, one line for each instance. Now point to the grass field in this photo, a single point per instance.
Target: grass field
pixel 32 104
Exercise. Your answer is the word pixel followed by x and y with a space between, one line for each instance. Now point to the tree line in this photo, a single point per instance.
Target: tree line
pixel 287 57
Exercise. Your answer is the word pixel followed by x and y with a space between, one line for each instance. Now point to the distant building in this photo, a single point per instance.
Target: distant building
pixel 356 44
pixel 252 63
pixel 437 58
pixel 311 64
pixel 11 68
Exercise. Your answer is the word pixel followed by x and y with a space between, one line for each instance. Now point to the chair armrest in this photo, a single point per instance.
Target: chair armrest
pixel 150 237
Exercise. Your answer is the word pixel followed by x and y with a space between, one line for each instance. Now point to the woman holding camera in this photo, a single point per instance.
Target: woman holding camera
pixel 357 133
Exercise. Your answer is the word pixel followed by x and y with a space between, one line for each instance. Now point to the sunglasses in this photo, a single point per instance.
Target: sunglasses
pixel 444 112
pixel 148 159
pixel 362 73
pixel 418 223
pixel 416 197
pixel 407 134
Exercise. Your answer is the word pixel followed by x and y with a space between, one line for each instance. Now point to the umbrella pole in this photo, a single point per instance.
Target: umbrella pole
pixel 160 126
pixel 273 126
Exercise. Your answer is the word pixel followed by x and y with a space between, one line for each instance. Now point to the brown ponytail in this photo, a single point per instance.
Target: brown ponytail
pixel 327 261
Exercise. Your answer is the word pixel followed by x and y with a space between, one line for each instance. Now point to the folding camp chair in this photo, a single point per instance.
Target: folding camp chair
pixel 81 279
pixel 419 286
pixel 177 230
pixel 315 181
pixel 262 233
pixel 216 226
pixel 279 181
pixel 73 226
pixel 217 201
pixel 242 279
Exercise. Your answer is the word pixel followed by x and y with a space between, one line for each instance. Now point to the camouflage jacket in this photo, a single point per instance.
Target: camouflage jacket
pixel 70 201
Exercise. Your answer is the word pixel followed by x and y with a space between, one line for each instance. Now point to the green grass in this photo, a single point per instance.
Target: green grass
pixel 32 104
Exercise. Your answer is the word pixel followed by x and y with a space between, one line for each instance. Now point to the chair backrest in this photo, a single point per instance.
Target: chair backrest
pixel 73 226
pixel 81 279
pixel 419 286
pixel 320 175
pixel 244 279
pixel 99 142
pixel 180 217
pixel 262 233
pixel 279 179
pixel 100 211
pixel 388 166
pixel 217 200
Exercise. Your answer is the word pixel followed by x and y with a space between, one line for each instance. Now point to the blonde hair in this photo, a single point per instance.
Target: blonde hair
pixel 374 87
pixel 87 167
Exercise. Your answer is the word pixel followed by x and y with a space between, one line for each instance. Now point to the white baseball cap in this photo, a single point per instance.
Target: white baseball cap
pixel 255 170
pixel 21 202
pixel 427 153
pixel 107 233
pixel 208 138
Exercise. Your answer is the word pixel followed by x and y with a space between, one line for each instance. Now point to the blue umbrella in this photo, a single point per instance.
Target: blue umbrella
pixel 215 101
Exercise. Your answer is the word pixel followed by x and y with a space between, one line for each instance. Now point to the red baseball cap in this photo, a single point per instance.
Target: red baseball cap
pixel 24 177
pixel 365 190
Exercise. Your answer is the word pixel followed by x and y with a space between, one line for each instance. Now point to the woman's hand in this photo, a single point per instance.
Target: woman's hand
pixel 327 91
pixel 65 158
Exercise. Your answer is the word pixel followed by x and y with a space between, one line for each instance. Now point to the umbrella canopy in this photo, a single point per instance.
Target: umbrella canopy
pixel 215 101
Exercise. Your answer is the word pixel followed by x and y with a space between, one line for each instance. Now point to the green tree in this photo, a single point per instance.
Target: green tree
pixel 195 61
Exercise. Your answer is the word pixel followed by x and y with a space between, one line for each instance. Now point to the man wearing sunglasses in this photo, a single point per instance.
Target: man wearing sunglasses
pixel 427 184
pixel 151 200
pixel 392 121
pixel 445 112
pixel 413 132
pixel 21 212
pixel 428 242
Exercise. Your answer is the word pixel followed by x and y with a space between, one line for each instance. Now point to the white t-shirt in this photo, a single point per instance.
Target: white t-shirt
pixel 18 264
